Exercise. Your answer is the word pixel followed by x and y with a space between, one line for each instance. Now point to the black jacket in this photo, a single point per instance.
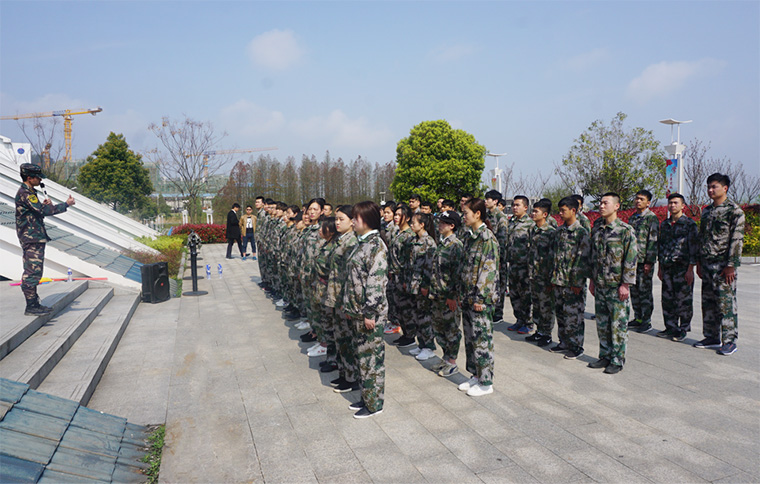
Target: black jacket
pixel 233 226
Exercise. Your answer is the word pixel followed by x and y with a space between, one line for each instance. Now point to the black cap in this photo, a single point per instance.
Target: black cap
pixel 450 217
pixel 29 169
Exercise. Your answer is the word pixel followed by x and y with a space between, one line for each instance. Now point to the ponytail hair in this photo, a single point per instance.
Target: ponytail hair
pixel 478 205
pixel 427 222
pixel 406 213
pixel 328 229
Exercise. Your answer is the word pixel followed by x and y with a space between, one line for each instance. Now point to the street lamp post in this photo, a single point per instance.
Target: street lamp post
pixel 497 173
pixel 674 168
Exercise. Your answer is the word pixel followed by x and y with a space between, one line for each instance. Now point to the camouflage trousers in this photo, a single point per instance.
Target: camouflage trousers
pixel 519 293
pixel 370 352
pixel 346 349
pixel 720 313
pixel 328 323
pixel 542 302
pixel 390 293
pixel 423 321
pixel 501 289
pixel 571 325
pixel 34 259
pixel 677 298
pixel 641 295
pixel 611 324
pixel 446 326
pixel 405 311
pixel 478 342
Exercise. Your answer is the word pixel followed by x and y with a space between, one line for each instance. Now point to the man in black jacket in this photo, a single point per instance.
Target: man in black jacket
pixel 233 231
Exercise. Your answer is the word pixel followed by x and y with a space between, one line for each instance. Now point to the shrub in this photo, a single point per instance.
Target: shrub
pixel 209 233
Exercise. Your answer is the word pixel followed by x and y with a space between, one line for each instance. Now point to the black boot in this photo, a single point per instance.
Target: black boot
pixel 33 308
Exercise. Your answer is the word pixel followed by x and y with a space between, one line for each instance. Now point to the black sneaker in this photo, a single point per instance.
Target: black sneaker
pixel 534 337
pixel 345 386
pixel 571 355
pixel 634 323
pixel 544 341
pixel 558 348
pixel 357 405
pixel 612 369
pixel 600 363
pixel 405 342
pixel 364 413
pixel 643 328
pixel 667 333
pixel 330 366
pixel 338 381
pixel 679 335
pixel 36 310
pixel 728 349
pixel 708 343
pixel 308 338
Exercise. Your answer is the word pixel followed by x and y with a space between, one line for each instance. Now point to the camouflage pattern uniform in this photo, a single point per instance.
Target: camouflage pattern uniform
pixel 420 265
pixel 677 250
pixel 403 304
pixel 478 283
pixel 261 242
pixel 295 294
pixel 572 260
pixel 500 227
pixel 443 284
pixel 327 313
pixel 721 236
pixel 31 233
pixel 364 297
pixel 518 256
pixel 647 227
pixel 613 262
pixel 552 221
pixel 336 278
pixel 584 221
pixel 312 242
pixel 541 267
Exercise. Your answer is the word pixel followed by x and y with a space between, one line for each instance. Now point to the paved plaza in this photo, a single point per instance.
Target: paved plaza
pixel 243 403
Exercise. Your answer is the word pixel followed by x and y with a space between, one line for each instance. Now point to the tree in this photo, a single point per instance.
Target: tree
pixel 184 159
pixel 115 175
pixel 437 161
pixel 611 159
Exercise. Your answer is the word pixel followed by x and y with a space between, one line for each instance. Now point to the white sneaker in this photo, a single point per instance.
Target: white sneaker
pixel 425 354
pixel 314 347
pixel 303 325
pixel 464 387
pixel 478 390
pixel 415 351
pixel 280 303
pixel 321 351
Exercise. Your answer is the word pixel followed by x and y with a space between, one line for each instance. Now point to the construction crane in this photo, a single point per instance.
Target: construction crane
pixel 207 154
pixel 66 114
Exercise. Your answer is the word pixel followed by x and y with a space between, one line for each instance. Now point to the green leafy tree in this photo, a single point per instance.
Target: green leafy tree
pixel 608 158
pixel 115 175
pixel 438 161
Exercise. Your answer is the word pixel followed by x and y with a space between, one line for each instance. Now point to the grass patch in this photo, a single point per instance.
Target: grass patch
pixel 153 457
pixel 178 292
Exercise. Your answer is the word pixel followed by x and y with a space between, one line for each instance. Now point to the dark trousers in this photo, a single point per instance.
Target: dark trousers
pixel 230 243
pixel 248 236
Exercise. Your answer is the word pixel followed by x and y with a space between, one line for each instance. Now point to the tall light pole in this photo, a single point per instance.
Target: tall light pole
pixel 674 168
pixel 497 173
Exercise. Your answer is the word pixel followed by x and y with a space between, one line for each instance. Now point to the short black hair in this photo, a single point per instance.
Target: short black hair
pixel 390 204
pixel 415 196
pixel 579 198
pixel 260 198
pixel 449 203
pixel 523 199
pixel 235 205
pixel 426 204
pixel 645 193
pixel 282 206
pixel 502 202
pixel 269 201
pixel 676 195
pixel 493 195
pixel 724 180
pixel 248 206
pixel 614 195
pixel 466 195
pixel 328 204
pixel 569 202
pixel 544 204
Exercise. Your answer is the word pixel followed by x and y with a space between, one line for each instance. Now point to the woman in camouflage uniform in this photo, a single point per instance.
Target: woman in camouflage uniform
pixel 312 241
pixel 400 300
pixel 326 339
pixel 365 304
pixel 417 285
pixel 477 285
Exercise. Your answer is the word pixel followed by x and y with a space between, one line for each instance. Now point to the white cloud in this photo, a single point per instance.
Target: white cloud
pixel 276 50
pixel 452 53
pixel 585 60
pixel 659 80
pixel 338 130
pixel 249 119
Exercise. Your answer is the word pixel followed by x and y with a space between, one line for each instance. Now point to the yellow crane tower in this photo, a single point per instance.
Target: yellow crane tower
pixel 66 114
pixel 207 154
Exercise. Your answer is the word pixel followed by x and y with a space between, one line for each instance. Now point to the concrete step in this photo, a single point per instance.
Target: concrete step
pixel 77 375
pixel 33 360
pixel 15 328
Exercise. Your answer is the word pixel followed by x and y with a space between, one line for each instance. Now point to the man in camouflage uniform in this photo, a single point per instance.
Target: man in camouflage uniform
pixel 30 229
pixel 721 235
pixel 613 270
pixel 571 268
pixel 500 228
pixel 518 256
pixel 542 237
pixel 677 253
pixel 581 217
pixel 647 227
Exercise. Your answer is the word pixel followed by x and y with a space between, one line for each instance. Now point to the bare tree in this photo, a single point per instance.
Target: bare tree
pixel 41 133
pixel 184 157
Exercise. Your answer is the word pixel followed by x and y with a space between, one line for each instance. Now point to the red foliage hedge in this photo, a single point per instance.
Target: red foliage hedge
pixel 209 233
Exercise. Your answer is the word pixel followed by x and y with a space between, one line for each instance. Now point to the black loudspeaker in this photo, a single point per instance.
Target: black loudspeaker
pixel 155 282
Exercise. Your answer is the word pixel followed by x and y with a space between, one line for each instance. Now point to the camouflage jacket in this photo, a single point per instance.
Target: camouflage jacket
pixel 500 227
pixel 419 264
pixel 479 272
pixel 677 244
pixel 518 241
pixel 293 249
pixel 322 269
pixel 366 279
pixel 445 270
pixel 336 276
pixel 647 227
pixel 30 215
pixel 542 251
pixel 572 254
pixel 613 254
pixel 398 252
pixel 721 234
pixel 263 232
pixel 584 221
pixel 311 243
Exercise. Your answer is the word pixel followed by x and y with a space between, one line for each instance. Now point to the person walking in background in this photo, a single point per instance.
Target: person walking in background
pixel 248 229
pixel 233 231
pixel 647 227
pixel 31 233
pixel 613 270
pixel 721 235
pixel 677 252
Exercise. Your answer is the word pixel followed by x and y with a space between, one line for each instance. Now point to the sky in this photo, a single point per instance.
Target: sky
pixel 525 78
